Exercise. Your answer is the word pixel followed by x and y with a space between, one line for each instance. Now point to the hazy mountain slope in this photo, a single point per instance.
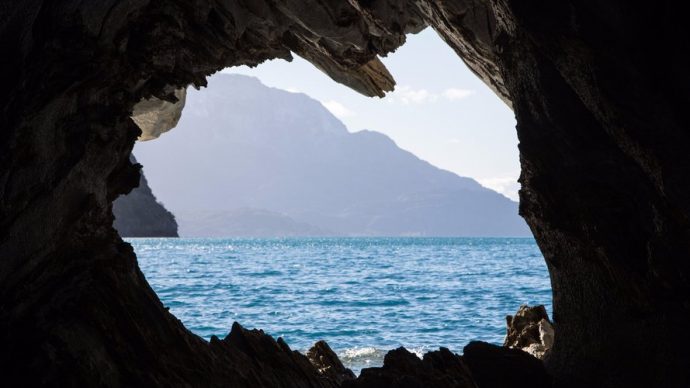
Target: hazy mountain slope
pixel 245 222
pixel 241 144
pixel 139 214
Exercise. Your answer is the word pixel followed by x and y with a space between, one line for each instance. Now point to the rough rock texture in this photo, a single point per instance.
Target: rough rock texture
pixel 481 366
pixel 266 362
pixel 497 367
pixel 139 214
pixel 530 330
pixel 600 91
pixel 603 144
pixel 402 369
pixel 155 116
pixel 328 364
pixel 75 310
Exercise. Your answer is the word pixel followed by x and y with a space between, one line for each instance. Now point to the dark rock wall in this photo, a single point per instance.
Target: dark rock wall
pixel 139 214
pixel 596 89
pixel 75 310
pixel 599 89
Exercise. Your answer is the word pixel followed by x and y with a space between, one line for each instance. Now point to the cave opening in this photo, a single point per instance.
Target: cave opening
pixel 599 91
pixel 239 168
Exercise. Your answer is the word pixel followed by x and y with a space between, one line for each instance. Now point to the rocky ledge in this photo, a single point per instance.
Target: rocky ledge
pixel 481 365
pixel 530 330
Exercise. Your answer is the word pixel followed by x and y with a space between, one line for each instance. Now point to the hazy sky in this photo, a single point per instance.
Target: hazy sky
pixel 440 110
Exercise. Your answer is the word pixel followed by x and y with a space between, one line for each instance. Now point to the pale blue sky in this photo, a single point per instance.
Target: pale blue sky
pixel 440 110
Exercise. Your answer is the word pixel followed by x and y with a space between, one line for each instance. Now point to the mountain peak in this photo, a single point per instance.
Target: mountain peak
pixel 263 109
pixel 241 144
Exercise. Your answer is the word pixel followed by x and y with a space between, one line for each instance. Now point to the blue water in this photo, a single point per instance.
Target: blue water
pixel 364 296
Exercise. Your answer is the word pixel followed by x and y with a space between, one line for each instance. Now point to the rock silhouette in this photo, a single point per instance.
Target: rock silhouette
pixel 139 214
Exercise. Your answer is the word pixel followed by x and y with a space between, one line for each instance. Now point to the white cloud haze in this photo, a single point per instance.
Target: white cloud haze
pixel 453 94
pixel 506 185
pixel 406 95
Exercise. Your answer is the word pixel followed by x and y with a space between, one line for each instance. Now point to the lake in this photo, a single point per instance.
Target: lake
pixel 364 296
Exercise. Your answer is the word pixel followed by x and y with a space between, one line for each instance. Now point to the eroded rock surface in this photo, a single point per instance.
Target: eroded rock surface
pixel 600 91
pixel 266 362
pixel 482 365
pixel 155 116
pixel 497 367
pixel 403 369
pixel 327 362
pixel 530 330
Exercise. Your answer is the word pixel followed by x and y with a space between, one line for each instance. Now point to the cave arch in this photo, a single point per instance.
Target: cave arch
pixel 603 143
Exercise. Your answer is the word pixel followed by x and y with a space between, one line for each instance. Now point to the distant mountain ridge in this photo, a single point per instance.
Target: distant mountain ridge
pixel 244 153
pixel 245 222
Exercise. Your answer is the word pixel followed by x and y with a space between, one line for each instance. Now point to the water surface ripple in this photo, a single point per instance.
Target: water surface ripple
pixel 364 296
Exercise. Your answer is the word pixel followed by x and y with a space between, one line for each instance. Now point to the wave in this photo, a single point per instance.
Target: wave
pixel 358 358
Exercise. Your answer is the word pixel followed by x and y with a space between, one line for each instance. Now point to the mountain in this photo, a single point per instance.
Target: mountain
pixel 245 222
pixel 139 214
pixel 242 145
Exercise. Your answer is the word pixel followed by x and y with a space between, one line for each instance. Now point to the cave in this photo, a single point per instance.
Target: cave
pixel 599 90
